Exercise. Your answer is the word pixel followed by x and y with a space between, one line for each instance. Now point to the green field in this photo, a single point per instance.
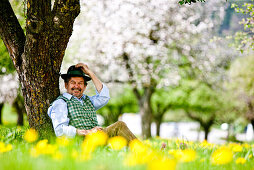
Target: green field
pixel 21 149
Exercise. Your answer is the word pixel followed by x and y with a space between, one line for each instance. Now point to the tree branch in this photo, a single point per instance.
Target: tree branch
pixel 126 60
pixel 11 32
pixel 65 12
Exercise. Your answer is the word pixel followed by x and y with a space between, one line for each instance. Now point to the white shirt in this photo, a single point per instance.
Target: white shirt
pixel 58 111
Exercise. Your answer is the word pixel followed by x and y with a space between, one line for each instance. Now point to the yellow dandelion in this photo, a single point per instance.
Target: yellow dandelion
pixel 63 141
pixel 176 153
pixel 250 156
pixel 50 149
pixel 93 140
pixel 42 147
pixel 246 145
pixel 88 147
pixel 8 148
pixel 139 154
pixel 221 156
pixel 31 135
pixel 5 148
pixel 99 138
pixel 117 142
pixel 240 161
pixel 131 160
pixel 148 142
pixel 188 155
pixel 137 147
pixel 237 148
pixel 162 164
pixel 2 146
pixel 206 144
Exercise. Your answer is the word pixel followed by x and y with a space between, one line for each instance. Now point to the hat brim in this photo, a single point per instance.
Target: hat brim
pixel 65 76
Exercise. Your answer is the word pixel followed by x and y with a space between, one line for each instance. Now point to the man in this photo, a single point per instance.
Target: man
pixel 73 113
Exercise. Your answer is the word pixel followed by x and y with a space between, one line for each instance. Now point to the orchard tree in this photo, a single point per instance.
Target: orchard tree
pixel 199 101
pixel 244 40
pixel 241 82
pixel 140 41
pixel 8 90
pixel 121 102
pixel 37 54
pixel 161 102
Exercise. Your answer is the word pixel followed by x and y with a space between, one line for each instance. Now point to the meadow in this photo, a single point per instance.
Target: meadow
pixel 20 148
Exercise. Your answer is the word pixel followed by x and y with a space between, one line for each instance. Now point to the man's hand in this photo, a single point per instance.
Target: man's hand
pixel 84 68
pixel 81 132
pixel 96 129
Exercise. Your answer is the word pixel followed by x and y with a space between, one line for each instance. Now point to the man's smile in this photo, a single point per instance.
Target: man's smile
pixel 76 89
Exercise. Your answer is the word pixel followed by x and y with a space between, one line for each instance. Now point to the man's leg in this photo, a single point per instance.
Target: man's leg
pixel 120 129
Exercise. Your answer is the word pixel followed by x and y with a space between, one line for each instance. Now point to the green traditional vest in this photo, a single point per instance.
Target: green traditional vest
pixel 81 116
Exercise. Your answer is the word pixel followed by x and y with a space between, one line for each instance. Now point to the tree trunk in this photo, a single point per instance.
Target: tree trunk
pixel 146 112
pixel 206 129
pixel 1 108
pixel 146 120
pixel 158 121
pixel 252 123
pixel 20 121
pixel 37 56
pixel 20 109
pixel 144 99
pixel 206 125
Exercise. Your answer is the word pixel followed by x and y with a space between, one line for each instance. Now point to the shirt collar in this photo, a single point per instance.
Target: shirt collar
pixel 68 96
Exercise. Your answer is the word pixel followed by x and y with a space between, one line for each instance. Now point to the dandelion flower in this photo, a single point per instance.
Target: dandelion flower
pixel 188 155
pixel 237 148
pixel 117 142
pixel 5 148
pixel 98 138
pixel 240 161
pixel 63 141
pixel 137 147
pixel 222 156
pixel 162 164
pixel 31 135
pixel 93 140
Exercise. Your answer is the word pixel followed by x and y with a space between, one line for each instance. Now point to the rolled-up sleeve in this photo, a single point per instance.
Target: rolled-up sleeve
pixel 58 113
pixel 100 99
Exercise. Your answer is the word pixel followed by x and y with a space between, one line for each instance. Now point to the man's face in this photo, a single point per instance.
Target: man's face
pixel 76 86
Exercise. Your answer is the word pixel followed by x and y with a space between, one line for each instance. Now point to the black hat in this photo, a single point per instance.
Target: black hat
pixel 75 72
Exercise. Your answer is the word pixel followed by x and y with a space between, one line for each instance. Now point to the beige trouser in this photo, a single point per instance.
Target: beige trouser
pixel 119 129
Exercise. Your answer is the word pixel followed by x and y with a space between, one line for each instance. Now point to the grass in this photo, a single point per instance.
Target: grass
pixel 186 155
pixel 56 154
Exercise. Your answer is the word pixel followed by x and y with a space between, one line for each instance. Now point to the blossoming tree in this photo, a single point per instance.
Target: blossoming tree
pixel 140 42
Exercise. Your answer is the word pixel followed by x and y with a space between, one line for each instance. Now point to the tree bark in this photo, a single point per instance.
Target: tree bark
pixel 1 108
pixel 20 109
pixel 206 125
pixel 146 112
pixel 207 130
pixel 144 99
pixel 38 56
pixel 158 125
